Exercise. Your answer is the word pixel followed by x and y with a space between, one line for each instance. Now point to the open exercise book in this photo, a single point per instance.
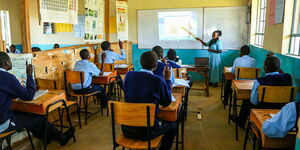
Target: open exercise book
pixel 40 93
pixel 121 65
pixel 181 82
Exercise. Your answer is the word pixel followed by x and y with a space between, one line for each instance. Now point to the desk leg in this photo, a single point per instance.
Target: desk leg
pixel 222 86
pixel 207 84
pixel 229 109
pixel 236 115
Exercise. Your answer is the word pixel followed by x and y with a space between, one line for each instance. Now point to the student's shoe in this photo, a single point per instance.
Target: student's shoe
pixel 67 136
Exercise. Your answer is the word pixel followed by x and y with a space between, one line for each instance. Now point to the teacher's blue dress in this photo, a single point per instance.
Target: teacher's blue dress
pixel 215 62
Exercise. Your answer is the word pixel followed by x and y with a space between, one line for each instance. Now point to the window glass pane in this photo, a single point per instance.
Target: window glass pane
pixel 297 43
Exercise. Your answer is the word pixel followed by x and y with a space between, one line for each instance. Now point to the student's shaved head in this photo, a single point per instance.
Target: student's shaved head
pixel 245 50
pixel 105 45
pixel 272 64
pixel 5 62
pixel 149 60
pixel 85 54
pixel 171 54
pixel 159 51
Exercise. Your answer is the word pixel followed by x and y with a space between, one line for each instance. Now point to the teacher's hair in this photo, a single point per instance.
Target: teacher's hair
pixel 219 32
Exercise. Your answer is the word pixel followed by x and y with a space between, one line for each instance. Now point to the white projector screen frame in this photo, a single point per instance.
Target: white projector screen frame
pixel 232 21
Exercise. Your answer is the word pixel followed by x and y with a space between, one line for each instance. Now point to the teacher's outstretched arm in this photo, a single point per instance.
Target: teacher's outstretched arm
pixel 198 39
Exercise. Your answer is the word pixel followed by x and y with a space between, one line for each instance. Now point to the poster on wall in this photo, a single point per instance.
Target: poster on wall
pixel 59 11
pixel 122 20
pixel 275 12
pixel 19 66
pixel 79 28
pixel 94 20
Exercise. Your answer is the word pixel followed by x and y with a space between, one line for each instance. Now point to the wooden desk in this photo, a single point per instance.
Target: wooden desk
pixel 39 105
pixel 123 71
pixel 258 117
pixel 103 80
pixel 227 76
pixel 170 113
pixel 204 71
pixel 179 89
pixel 242 88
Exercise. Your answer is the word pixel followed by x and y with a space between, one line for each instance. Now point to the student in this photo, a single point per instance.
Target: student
pixel 56 46
pixel 110 55
pixel 283 122
pixel 171 56
pixel 272 78
pixel 10 120
pixel 271 54
pixel 89 70
pixel 161 63
pixel 14 50
pixel 243 61
pixel 146 87
pixel 36 49
pixel 215 50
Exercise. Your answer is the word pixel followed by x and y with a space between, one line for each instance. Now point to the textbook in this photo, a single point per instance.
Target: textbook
pixel 180 82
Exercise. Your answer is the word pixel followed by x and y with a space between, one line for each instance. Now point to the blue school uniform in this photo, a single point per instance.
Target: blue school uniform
pixel 273 79
pixel 160 71
pixel 111 56
pixel 244 61
pixel 173 64
pixel 89 69
pixel 283 122
pixel 215 62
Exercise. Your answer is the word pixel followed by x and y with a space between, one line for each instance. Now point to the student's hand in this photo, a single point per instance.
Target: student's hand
pixel 101 73
pixel 120 44
pixel 164 60
pixel 167 72
pixel 29 69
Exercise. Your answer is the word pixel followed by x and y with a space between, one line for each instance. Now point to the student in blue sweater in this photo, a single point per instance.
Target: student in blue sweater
pixel 161 63
pixel 171 56
pixel 272 78
pixel 90 70
pixel 145 87
pixel 10 88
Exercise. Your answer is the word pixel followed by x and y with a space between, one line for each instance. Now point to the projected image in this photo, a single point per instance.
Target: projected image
pixel 171 25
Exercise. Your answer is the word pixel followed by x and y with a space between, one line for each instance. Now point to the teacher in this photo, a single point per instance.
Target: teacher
pixel 215 50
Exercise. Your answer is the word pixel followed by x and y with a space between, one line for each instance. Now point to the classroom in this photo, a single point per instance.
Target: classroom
pixel 149 74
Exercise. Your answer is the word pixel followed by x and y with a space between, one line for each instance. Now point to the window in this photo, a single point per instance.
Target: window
pixel 260 23
pixel 295 34
pixel 4 20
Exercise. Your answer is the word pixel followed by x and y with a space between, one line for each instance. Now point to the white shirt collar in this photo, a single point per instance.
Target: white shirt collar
pixel 148 71
pixel 1 69
pixel 272 73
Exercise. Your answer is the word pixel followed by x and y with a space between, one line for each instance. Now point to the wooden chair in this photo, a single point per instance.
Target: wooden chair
pixel 51 85
pixel 247 73
pixel 7 136
pixel 133 114
pixel 274 96
pixel 77 77
pixel 106 67
pixel 177 72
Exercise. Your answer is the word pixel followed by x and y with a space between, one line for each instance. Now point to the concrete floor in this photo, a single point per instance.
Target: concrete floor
pixel 213 127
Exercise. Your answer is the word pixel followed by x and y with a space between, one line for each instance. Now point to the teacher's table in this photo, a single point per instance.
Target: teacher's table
pixel 204 71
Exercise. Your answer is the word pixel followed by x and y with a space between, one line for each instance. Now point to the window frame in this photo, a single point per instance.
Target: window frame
pixel 260 30
pixel 294 34
pixel 5 25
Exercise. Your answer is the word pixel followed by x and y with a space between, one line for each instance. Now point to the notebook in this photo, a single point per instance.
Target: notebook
pixel 40 93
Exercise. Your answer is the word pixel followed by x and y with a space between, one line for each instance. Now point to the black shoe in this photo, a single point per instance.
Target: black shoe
pixel 67 136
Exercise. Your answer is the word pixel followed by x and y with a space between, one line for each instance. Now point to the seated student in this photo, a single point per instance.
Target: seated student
pixel 145 87
pixel 171 56
pixel 161 63
pixel 35 49
pixel 90 70
pixel 272 78
pixel 283 122
pixel 243 61
pixel 10 120
pixel 111 56
pixel 56 46
pixel 14 50
pixel 271 54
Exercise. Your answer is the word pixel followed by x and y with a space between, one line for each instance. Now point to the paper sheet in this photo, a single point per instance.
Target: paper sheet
pixel 40 93
pixel 173 98
pixel 106 73
pixel 228 69
pixel 180 82
pixel 121 66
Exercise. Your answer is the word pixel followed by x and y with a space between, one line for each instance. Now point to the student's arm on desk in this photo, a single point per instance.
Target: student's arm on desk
pixel 282 123
pixel 165 93
pixel 254 93
pixel 24 93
